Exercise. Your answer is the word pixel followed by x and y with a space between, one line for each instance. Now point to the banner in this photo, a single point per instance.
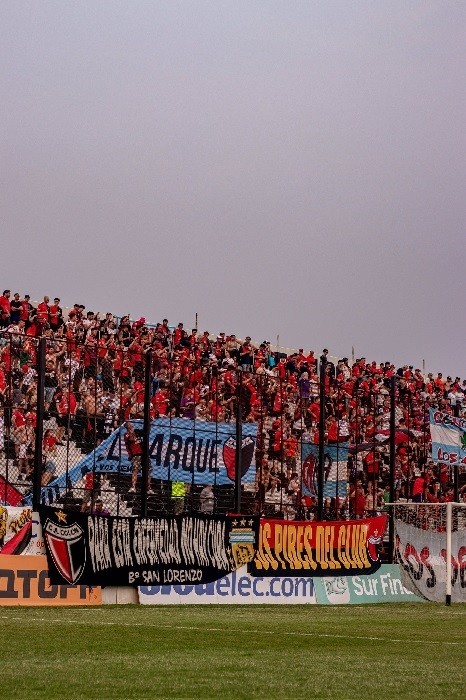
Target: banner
pixel 180 450
pixel 8 494
pixel 15 529
pixel 448 435
pixel 25 581
pixel 422 555
pixel 135 551
pixel 238 588
pixel 292 548
pixel 384 586
pixel 335 469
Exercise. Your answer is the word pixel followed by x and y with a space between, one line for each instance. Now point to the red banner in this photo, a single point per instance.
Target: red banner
pixel 292 548
pixel 8 494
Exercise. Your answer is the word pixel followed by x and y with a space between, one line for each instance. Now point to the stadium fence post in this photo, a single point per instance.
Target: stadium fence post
pixel 391 524
pixel 36 486
pixel 239 442
pixel 320 475
pixel 146 432
pixel 448 571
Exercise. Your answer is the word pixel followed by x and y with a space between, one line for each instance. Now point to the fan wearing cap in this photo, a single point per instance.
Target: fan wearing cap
pixel 26 308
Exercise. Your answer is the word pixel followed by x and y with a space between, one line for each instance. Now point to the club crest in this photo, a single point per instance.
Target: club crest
pixel 66 544
pixel 242 541
pixel 229 455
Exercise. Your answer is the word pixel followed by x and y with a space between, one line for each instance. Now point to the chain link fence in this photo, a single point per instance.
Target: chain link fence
pixel 113 421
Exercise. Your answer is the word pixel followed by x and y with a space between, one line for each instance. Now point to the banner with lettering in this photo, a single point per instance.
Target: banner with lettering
pixel 422 554
pixel 335 469
pixel 448 435
pixel 25 581
pixel 197 452
pixel 15 529
pixel 106 551
pixel 292 548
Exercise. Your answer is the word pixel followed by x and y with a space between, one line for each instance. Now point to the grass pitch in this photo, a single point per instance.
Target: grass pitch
pixel 233 652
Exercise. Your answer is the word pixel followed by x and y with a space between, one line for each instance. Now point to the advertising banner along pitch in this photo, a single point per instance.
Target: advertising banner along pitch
pixel 292 548
pixel 25 581
pixel 423 556
pixel 114 551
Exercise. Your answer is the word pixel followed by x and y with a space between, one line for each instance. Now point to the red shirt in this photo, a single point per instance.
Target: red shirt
pixel 43 311
pixel 133 445
pixel 4 307
pixel 54 313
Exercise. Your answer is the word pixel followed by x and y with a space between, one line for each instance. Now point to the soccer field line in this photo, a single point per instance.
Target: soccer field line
pixel 194 628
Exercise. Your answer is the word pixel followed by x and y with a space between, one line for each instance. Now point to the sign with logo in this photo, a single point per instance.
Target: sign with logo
pixel 180 449
pixel 292 548
pixel 335 469
pixel 95 550
pixel 448 435
pixel 384 586
pixel 238 588
pixel 25 581
pixel 67 548
pixel 198 451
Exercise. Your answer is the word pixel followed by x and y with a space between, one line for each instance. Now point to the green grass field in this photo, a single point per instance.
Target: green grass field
pixel 385 651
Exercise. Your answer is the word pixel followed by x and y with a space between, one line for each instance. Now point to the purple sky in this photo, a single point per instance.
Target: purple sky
pixel 280 168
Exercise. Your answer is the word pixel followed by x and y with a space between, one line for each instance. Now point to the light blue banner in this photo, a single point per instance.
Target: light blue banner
pixel 180 450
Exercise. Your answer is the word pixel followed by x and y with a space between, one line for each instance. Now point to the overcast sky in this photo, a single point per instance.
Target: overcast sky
pixel 291 168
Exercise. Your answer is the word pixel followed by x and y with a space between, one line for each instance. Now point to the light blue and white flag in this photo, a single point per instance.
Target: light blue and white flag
pixel 448 435
pixel 335 469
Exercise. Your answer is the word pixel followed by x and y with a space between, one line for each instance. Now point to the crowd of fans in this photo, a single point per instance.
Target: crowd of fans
pixel 94 381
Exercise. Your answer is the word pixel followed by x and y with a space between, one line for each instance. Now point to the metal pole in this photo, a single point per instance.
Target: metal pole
pixel 456 487
pixel 448 581
pixel 146 432
pixel 391 524
pixel 36 485
pixel 239 443
pixel 320 473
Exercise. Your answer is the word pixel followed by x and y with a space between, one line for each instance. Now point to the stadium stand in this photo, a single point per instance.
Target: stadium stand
pixel 94 382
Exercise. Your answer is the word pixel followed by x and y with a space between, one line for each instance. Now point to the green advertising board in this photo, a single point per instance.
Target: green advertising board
pixel 385 586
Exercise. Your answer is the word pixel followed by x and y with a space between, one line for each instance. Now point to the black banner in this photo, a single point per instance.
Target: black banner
pixel 108 551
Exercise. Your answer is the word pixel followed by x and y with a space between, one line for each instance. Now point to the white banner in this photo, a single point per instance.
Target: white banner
pixel 237 588
pixel 422 556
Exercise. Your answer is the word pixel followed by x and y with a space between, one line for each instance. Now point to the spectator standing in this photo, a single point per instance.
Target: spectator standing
pixel 134 448
pixel 5 309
